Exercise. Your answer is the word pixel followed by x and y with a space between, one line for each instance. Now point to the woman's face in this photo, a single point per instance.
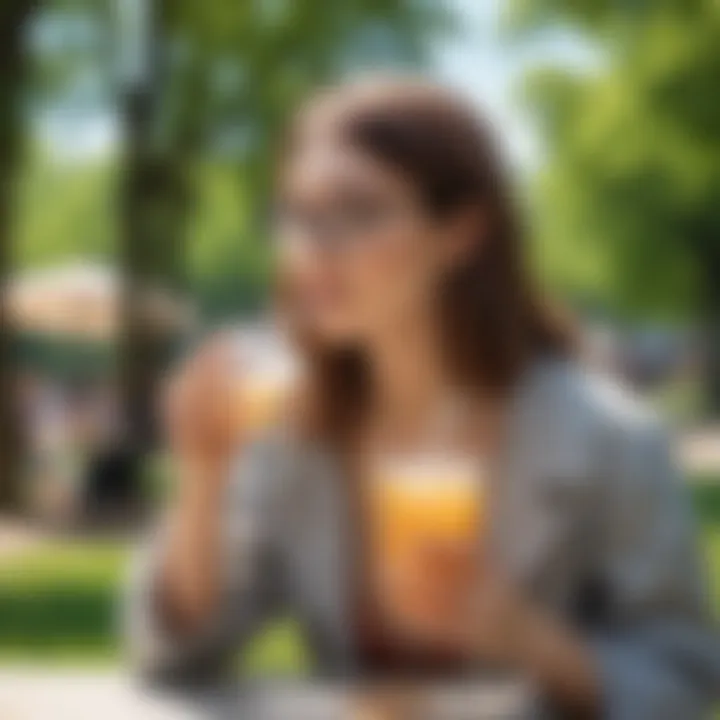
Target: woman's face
pixel 359 254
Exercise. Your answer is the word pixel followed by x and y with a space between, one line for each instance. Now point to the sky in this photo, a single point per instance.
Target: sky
pixel 479 60
pixel 486 65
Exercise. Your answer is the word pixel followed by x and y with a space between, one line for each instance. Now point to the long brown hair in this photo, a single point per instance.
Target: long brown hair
pixel 492 319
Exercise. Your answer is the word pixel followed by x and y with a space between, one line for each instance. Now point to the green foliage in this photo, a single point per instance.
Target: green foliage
pixel 228 265
pixel 600 17
pixel 630 199
pixel 65 211
pixel 71 42
pixel 68 211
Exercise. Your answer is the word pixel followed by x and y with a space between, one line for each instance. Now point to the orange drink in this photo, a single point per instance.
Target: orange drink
pixel 421 501
pixel 258 401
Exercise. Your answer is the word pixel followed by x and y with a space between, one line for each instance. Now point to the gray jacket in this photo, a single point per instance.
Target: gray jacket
pixel 587 514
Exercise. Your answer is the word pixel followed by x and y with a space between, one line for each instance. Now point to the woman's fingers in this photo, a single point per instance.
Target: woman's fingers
pixel 198 403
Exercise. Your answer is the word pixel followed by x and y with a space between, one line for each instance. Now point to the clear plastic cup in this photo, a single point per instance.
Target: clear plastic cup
pixel 266 375
pixel 421 501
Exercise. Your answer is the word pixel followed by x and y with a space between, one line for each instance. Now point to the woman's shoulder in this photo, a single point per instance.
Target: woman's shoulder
pixel 589 419
pixel 592 398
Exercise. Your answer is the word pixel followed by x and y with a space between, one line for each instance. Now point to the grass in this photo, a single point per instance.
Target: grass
pixel 58 604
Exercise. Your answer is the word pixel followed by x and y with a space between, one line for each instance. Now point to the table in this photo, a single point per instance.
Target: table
pixel 32 694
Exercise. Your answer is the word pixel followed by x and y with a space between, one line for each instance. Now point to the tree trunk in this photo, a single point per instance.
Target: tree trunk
pixel 150 256
pixel 114 485
pixel 14 16
pixel 140 258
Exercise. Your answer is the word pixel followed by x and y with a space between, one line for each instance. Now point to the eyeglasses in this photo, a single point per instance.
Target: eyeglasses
pixel 343 226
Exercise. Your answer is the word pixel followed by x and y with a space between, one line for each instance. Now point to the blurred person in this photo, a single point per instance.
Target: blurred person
pixel 402 282
pixel 50 451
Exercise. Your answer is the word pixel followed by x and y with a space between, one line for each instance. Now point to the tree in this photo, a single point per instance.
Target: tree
pixel 633 181
pixel 14 18
pixel 149 251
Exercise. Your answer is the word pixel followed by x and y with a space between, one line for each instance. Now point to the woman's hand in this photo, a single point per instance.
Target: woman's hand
pixel 202 433
pixel 450 599
pixel 454 601
pixel 200 413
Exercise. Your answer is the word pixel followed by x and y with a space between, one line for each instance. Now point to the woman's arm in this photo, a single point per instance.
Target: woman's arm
pixel 190 577
pixel 198 585
pixel 559 662
pixel 658 654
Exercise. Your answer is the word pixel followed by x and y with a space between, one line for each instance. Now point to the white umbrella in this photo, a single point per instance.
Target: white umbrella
pixel 85 300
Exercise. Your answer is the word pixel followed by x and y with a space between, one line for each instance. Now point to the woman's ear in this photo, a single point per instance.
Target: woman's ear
pixel 466 232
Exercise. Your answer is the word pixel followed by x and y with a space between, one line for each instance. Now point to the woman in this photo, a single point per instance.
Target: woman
pixel 400 264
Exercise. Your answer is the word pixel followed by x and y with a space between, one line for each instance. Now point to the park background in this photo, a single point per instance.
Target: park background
pixel 136 141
